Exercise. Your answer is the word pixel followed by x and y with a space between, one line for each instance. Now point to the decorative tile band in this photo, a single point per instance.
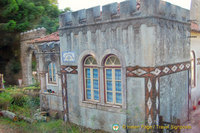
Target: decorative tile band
pixel 64 96
pixel 152 86
pixel 137 71
pixel 64 71
pixel 69 69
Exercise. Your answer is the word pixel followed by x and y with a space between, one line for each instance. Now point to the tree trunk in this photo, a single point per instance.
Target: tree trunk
pixel 9 114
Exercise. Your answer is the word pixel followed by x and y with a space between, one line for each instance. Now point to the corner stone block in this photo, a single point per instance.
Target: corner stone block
pixel 68 17
pixel 125 9
pixel 113 8
pixel 186 15
pixel 133 4
pixel 161 8
pixel 173 11
pixel 92 13
pixel 168 9
pixel 149 7
pixel 96 11
pixel 61 20
pixel 82 14
pixel 75 18
pixel 108 10
pixel 178 13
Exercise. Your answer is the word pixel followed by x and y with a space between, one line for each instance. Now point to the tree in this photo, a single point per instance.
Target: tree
pixel 18 15
pixel 50 19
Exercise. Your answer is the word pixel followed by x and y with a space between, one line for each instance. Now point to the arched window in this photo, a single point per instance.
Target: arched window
pixel 113 85
pixel 193 67
pixel 91 79
pixel 52 73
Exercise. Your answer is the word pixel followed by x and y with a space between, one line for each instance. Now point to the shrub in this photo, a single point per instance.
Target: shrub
pixel 18 99
pixel 4 100
pixel 3 103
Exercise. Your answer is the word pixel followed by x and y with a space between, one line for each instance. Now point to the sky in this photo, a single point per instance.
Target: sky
pixel 84 4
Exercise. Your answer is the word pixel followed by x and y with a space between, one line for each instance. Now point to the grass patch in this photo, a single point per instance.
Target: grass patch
pixel 54 126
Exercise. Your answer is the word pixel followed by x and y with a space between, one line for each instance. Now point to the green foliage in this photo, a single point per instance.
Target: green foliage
pixel 22 104
pixel 15 100
pixel 18 99
pixel 34 65
pixel 15 66
pixel 50 19
pixel 19 15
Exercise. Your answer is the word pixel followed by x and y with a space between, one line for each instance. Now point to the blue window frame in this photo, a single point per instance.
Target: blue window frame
pixel 91 77
pixel 113 83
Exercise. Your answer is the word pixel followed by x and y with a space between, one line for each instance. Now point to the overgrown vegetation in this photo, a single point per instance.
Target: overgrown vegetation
pixel 16 100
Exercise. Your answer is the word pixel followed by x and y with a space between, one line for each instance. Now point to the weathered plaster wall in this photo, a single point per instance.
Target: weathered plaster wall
pixel 136 103
pixel 153 36
pixel 50 52
pixel 96 116
pixel 174 96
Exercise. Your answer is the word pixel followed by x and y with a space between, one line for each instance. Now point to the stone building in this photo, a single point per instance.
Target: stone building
pixel 125 65
pixel 47 52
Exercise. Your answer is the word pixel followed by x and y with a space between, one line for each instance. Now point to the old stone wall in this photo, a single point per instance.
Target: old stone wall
pixel 49 52
pixel 27 50
pixel 150 42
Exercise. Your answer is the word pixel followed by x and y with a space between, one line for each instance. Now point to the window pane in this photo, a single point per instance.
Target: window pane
pixel 88 83
pixel 95 84
pixel 54 66
pixel 117 62
pixel 117 74
pixel 95 73
pixel 112 58
pixel 54 72
pixel 50 72
pixel 94 62
pixel 50 69
pixel 87 62
pixel 109 85
pixel 118 98
pixel 88 94
pixel 109 97
pixel 108 62
pixel 96 95
pixel 108 73
pixel 118 85
pixel 54 77
pixel 87 73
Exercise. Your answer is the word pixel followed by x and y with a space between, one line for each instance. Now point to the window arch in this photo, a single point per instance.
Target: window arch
pixel 52 73
pixel 193 69
pixel 91 79
pixel 113 80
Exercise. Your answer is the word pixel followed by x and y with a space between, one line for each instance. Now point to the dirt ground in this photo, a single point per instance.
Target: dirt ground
pixel 7 129
pixel 194 122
